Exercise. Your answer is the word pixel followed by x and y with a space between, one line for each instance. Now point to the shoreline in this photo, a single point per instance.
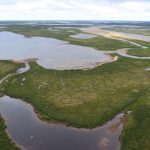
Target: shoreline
pixel 111 125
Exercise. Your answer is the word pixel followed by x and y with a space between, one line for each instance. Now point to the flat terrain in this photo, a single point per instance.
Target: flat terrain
pixel 5 141
pixel 140 52
pixel 87 98
pixel 100 42
pixel 6 68
pixel 133 29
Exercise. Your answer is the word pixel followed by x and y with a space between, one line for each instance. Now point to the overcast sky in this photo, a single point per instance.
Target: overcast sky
pixel 75 10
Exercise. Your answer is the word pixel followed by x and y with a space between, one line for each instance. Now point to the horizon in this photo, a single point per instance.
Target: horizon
pixel 28 20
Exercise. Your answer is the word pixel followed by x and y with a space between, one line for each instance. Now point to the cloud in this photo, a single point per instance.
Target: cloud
pixel 75 10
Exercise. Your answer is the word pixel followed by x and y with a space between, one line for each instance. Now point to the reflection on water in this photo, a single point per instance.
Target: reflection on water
pixel 33 134
pixel 51 53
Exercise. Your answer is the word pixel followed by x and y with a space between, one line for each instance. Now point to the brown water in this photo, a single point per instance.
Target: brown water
pixel 50 53
pixel 27 130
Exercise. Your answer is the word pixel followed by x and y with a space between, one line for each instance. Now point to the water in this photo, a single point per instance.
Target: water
pixel 31 133
pixel 136 36
pixel 115 34
pixel 50 53
pixel 147 69
pixel 124 54
pixel 23 125
pixel 83 36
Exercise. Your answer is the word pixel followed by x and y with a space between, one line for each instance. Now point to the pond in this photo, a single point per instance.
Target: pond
pixel 83 36
pixel 50 53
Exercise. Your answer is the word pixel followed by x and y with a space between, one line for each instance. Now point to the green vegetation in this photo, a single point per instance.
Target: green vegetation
pixel 140 52
pixel 99 42
pixel 5 142
pixel 85 98
pixel 82 98
pixel 136 135
pixel 133 30
pixel 6 67
pixel 90 98
pixel 144 43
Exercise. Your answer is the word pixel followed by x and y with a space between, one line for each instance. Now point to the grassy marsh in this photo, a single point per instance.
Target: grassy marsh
pixel 145 30
pixel 100 42
pixel 140 52
pixel 82 98
pixel 6 67
pixel 89 98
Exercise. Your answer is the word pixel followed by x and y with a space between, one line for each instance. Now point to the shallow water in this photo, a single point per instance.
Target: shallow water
pixel 28 131
pixel 51 53
pixel 147 69
pixel 136 36
pixel 83 36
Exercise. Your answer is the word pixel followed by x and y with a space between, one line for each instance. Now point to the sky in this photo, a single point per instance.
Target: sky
pixel 134 10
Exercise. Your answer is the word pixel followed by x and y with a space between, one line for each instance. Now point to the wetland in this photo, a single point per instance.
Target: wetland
pixel 61 92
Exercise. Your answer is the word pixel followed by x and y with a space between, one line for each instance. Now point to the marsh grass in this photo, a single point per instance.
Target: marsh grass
pixel 6 67
pixel 140 52
pixel 82 98
pixel 86 98
pixel 100 42
pixel 5 142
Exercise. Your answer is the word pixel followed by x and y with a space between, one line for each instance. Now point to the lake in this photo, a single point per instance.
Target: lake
pixel 50 53
pixel 29 132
